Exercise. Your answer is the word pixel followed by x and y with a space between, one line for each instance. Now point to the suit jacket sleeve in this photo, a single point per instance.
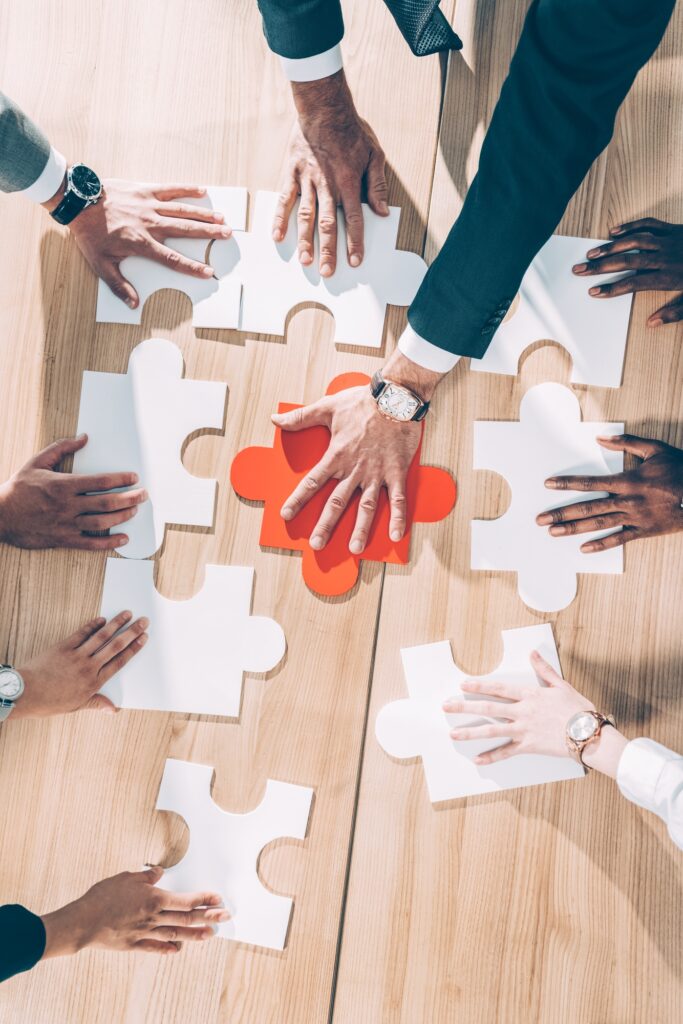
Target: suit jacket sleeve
pixel 573 66
pixel 22 940
pixel 24 150
pixel 301 28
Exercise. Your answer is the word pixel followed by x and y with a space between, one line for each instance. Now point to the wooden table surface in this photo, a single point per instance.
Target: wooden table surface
pixel 551 904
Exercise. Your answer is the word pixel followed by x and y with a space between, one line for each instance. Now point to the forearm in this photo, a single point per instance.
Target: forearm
pixel 22 940
pixel 28 163
pixel 573 66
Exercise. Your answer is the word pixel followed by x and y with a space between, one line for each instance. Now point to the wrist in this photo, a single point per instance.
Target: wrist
pixel 404 371
pixel 53 202
pixel 603 754
pixel 64 934
pixel 325 102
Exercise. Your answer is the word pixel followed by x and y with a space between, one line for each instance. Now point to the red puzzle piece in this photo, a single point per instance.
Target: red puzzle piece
pixel 271 474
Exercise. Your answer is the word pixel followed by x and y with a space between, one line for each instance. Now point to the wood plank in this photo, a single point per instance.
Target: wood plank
pixel 559 902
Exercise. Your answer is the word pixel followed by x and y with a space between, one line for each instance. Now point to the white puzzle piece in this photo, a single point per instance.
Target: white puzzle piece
pixel 138 421
pixel 271 281
pixel 198 650
pixel 417 726
pixel 216 303
pixel 554 305
pixel 549 440
pixel 224 849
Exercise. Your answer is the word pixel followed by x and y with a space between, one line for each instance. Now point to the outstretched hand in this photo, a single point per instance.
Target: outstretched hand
pixel 645 502
pixel 653 251
pixel 41 507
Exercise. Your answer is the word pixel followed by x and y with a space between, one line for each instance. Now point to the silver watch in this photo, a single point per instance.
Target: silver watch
pixel 11 689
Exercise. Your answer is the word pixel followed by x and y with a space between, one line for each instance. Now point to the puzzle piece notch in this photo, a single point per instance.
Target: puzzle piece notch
pixel 219 301
pixel 198 650
pixel 554 305
pixel 417 726
pixel 259 281
pixel 548 440
pixel 224 849
pixel 271 474
pixel 138 421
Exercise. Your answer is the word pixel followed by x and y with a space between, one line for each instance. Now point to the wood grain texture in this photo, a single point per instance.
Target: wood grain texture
pixel 173 91
pixel 560 902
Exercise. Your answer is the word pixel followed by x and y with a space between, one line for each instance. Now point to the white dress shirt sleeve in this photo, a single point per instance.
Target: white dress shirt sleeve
pixel 652 776
pixel 310 69
pixel 422 352
pixel 49 179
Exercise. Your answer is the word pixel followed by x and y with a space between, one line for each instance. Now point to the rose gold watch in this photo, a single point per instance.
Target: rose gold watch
pixel 397 402
pixel 582 729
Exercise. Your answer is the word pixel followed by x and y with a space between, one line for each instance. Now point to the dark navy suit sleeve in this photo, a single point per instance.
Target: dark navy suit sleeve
pixel 301 28
pixel 22 940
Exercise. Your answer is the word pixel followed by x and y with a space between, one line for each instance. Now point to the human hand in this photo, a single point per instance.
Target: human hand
pixel 68 676
pixel 333 155
pixel 41 507
pixel 127 913
pixel 136 220
pixel 657 264
pixel 646 501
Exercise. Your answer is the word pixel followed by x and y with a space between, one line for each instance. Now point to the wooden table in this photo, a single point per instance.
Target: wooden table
pixel 550 904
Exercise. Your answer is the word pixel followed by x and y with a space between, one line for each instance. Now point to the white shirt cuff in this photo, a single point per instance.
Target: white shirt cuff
pixel 310 69
pixel 51 176
pixel 640 767
pixel 422 352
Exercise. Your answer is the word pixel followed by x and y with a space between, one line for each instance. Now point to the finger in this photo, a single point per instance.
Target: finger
pixel 85 542
pixel 151 874
pixel 398 508
pixel 307 488
pixel 492 688
pixel 186 211
pixel 335 506
pixel 614 540
pixel 50 457
pixel 190 900
pixel 327 232
pixel 578 510
pixel 177 228
pixel 671 313
pixel 642 447
pixel 545 671
pixel 497 754
pixel 353 218
pixel 90 523
pixel 377 184
pixel 122 659
pixel 102 482
pixel 643 240
pixel 480 732
pixel 167 193
pixel 645 281
pixel 98 702
pixel 313 415
pixel 119 651
pixel 116 501
pixel 106 632
pixel 152 946
pixel 305 220
pixel 177 934
pixel 484 708
pixel 121 640
pixel 193 918
pixel 617 263
pixel 367 509
pixel 176 260
pixel 608 522
pixel 122 289
pixel 614 484
pixel 84 632
pixel 283 210
pixel 642 224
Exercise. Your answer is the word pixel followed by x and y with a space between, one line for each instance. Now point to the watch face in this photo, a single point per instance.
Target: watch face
pixel 11 685
pixel 398 403
pixel 85 182
pixel 582 727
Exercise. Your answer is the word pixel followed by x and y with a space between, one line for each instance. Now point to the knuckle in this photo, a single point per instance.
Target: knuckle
pixel 310 483
pixel 327 223
pixel 368 503
pixel 338 502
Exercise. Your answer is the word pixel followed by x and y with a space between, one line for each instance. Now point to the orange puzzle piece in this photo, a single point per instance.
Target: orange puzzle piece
pixel 271 474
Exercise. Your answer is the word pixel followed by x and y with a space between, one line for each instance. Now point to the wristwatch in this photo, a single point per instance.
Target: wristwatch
pixel 582 729
pixel 11 689
pixel 396 402
pixel 83 188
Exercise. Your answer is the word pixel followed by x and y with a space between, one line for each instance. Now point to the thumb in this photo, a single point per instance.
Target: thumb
pixel 638 446
pixel 122 289
pixel 50 457
pixel 305 416
pixel 151 875
pixel 544 671
pixel 377 184
pixel 98 702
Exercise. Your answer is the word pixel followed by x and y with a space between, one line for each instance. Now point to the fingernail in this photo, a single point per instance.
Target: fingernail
pixel 593 252
pixel 130 303
pixel 396 535
pixel 557 531
pixel 144 622
pixel 594 291
pixel 580 267
pixel 82 437
pixel 552 482
pixel 287 514
pixel 544 520
pixel 384 207
pixel 354 259
pixel 657 322
pixel 618 230
pixel 208 272
pixel 305 258
pixel 134 512
pixel 226 232
pixel 223 916
pixel 124 540
pixel 326 270
pixel 142 640
pixel 277 236
pixel 316 543
pixel 355 547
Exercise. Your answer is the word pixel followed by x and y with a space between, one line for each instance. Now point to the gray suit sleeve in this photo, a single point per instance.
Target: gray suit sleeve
pixel 24 149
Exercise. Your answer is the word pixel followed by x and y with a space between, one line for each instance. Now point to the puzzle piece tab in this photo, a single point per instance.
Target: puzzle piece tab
pixel 271 281
pixel 271 474
pixel 554 305
pixel 198 650
pixel 224 849
pixel 138 421
pixel 549 440
pixel 417 726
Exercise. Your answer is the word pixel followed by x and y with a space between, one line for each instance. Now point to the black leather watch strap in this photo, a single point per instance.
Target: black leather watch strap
pixel 69 208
